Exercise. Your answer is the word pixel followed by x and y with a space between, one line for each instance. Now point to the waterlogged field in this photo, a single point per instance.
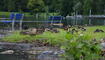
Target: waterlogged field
pixel 84 45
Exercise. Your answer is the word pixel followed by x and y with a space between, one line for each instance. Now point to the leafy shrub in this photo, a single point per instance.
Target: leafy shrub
pixel 82 47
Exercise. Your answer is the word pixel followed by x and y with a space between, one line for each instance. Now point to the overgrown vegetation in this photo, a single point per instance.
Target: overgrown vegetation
pixel 81 46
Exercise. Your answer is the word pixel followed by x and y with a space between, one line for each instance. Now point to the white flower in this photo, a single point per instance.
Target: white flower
pixel 81 34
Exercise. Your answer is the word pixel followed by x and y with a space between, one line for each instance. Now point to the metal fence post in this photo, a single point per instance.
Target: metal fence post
pixel 13 24
pixel 21 21
pixel 90 19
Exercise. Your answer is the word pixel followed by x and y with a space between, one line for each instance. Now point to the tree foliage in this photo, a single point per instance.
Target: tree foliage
pixel 36 5
pixel 64 7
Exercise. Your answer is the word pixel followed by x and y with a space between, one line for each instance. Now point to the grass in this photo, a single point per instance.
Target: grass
pixel 74 45
pixel 16 37
pixel 98 36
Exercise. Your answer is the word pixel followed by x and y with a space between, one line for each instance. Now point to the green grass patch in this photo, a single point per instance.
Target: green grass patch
pixel 98 36
pixel 16 37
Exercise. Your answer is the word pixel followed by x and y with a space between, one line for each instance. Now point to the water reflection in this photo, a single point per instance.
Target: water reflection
pixel 21 57
pixel 12 57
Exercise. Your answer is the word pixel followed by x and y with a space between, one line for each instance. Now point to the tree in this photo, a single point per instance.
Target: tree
pixel 20 5
pixel 87 6
pixel 67 7
pixel 98 6
pixel 53 5
pixel 10 5
pixel 36 6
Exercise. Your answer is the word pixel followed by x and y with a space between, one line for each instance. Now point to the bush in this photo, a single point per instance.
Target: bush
pixel 82 47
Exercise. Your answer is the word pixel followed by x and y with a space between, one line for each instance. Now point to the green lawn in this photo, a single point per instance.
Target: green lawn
pixel 98 36
pixel 57 36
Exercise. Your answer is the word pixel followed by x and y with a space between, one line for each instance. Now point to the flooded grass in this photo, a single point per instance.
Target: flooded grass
pixel 63 40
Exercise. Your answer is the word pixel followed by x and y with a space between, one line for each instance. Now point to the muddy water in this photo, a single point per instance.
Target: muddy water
pixel 12 57
pixel 17 57
pixel 21 57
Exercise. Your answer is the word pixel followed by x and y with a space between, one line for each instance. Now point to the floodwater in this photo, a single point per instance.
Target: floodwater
pixel 44 56
pixel 12 57
pixel 17 57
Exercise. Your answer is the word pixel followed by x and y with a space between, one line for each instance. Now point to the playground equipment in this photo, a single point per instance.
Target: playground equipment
pixel 14 18
pixel 15 21
pixel 56 20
